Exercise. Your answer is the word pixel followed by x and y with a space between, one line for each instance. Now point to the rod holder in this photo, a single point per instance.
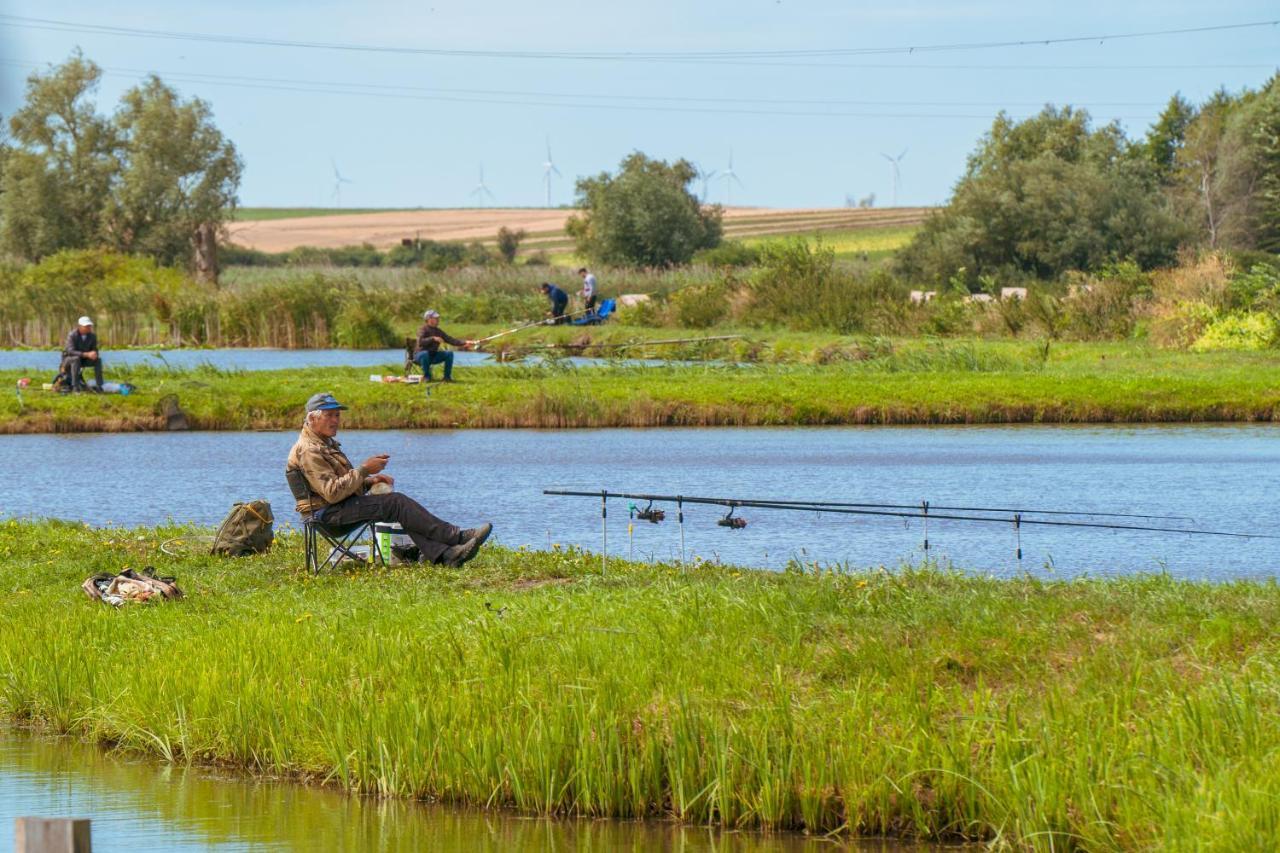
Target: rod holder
pixel 604 531
pixel 680 521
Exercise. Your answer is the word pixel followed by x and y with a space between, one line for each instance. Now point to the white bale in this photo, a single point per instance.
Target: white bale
pixel 1013 293
pixel 628 300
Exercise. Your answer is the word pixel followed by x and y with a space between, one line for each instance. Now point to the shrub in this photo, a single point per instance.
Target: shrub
pixel 700 306
pixel 509 243
pixel 1242 331
pixel 730 253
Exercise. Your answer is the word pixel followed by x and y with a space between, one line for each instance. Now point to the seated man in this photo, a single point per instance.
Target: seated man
pixel 340 491
pixel 559 301
pixel 428 351
pixel 80 351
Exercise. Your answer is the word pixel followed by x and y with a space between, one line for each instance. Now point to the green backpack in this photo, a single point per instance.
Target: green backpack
pixel 245 530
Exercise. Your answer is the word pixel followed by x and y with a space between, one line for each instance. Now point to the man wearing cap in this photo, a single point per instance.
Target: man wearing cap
pixel 428 351
pixel 339 491
pixel 81 350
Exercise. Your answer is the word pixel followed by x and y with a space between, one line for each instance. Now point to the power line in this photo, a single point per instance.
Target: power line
pixel 363 88
pixel 628 56
pixel 508 98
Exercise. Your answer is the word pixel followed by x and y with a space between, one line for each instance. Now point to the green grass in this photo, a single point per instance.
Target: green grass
pixel 1090 714
pixel 871 381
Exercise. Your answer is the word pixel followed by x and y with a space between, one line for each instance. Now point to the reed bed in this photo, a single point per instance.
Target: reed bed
pixel 1122 713
pixel 875 382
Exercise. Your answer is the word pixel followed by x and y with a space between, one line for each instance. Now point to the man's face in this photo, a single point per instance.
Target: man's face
pixel 433 321
pixel 84 330
pixel 326 422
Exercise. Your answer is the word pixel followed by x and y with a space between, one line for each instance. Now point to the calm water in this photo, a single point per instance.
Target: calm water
pixel 140 807
pixel 1221 476
pixel 40 362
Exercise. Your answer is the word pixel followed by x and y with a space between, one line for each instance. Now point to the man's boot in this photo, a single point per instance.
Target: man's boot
pixel 455 556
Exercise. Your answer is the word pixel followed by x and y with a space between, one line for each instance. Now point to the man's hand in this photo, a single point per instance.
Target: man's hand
pixel 382 478
pixel 470 344
pixel 92 355
pixel 375 464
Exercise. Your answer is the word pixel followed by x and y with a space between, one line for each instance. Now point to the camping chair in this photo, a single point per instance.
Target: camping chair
pixel 598 316
pixel 341 538
pixel 410 346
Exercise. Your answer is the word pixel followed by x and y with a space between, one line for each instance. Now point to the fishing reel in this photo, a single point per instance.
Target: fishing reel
pixel 732 521
pixel 649 514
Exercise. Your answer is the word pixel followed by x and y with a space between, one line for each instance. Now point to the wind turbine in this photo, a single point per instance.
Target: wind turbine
pixel 897 174
pixel 481 190
pixel 548 169
pixel 730 177
pixel 338 181
pixel 705 177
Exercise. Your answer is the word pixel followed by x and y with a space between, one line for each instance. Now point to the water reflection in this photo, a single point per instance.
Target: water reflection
pixel 139 806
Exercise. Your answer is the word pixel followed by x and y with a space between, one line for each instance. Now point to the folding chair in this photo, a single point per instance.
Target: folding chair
pixel 341 538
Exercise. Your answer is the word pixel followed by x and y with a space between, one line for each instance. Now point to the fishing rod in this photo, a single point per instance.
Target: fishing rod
pixel 933 506
pixel 547 322
pixel 639 343
pixel 812 507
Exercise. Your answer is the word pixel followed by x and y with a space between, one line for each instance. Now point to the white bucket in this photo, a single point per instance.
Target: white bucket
pixel 389 534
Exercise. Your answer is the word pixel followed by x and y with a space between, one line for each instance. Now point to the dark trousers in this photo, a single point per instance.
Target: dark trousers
pixel 73 366
pixel 591 302
pixel 426 359
pixel 430 534
pixel 557 310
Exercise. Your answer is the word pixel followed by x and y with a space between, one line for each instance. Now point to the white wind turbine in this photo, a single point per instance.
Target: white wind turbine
pixel 549 169
pixel 705 177
pixel 730 177
pixel 897 174
pixel 481 190
pixel 338 181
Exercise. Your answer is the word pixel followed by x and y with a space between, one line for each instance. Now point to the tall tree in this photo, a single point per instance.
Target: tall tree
pixel 1166 136
pixel 178 177
pixel 644 215
pixel 58 175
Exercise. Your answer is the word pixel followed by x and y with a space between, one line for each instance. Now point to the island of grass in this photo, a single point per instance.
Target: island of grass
pixel 858 382
pixel 1136 712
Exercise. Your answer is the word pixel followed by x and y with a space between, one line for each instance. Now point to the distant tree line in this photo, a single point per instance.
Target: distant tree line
pixel 156 178
pixel 1051 194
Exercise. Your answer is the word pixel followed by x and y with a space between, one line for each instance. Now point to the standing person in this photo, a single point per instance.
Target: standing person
pixel 428 351
pixel 339 490
pixel 559 301
pixel 588 289
pixel 80 351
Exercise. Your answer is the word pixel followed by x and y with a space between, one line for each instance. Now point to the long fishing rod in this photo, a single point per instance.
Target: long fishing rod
pixel 933 506
pixel 547 322
pixel 640 343
pixel 735 502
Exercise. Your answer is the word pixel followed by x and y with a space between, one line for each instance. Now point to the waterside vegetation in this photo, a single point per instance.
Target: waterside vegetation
pixel 863 382
pixel 1135 712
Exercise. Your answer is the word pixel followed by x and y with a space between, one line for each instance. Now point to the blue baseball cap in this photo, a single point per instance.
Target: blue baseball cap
pixel 323 402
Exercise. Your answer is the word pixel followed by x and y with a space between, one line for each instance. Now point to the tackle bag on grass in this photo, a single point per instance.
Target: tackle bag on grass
pixel 246 530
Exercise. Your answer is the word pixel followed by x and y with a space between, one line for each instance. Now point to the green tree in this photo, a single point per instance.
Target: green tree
pixel 178 176
pixel 644 215
pixel 58 174
pixel 1166 136
pixel 1044 196
pixel 509 243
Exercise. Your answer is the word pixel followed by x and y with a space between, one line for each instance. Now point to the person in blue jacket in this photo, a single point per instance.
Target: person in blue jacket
pixel 559 301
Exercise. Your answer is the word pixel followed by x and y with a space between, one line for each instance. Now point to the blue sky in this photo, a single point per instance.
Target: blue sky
pixel 413 130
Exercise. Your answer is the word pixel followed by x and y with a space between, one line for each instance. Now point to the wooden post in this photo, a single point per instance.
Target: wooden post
pixel 52 835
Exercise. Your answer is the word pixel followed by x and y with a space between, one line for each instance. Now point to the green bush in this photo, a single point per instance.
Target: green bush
pixel 730 253
pixel 700 306
pixel 1241 331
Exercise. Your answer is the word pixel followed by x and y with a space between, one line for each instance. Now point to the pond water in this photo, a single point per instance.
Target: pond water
pixel 1220 477
pixel 140 806
pixel 40 362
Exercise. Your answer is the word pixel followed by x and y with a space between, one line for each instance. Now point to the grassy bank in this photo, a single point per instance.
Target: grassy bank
pixel 869 382
pixel 1095 714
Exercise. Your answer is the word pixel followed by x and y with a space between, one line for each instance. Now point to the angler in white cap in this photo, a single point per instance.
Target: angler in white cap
pixel 81 351
pixel 428 352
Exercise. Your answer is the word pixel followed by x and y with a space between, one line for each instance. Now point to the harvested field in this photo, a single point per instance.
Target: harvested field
pixel 545 227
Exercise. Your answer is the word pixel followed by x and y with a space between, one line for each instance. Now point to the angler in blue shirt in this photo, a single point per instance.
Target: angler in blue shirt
pixel 559 301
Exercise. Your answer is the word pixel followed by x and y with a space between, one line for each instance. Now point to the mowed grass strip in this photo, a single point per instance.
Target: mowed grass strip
pixel 1088 714
pixel 951 383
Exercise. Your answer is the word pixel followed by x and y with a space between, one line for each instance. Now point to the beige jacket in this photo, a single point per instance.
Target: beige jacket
pixel 328 471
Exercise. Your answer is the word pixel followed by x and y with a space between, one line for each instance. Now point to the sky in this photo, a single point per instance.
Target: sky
pixel 413 123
